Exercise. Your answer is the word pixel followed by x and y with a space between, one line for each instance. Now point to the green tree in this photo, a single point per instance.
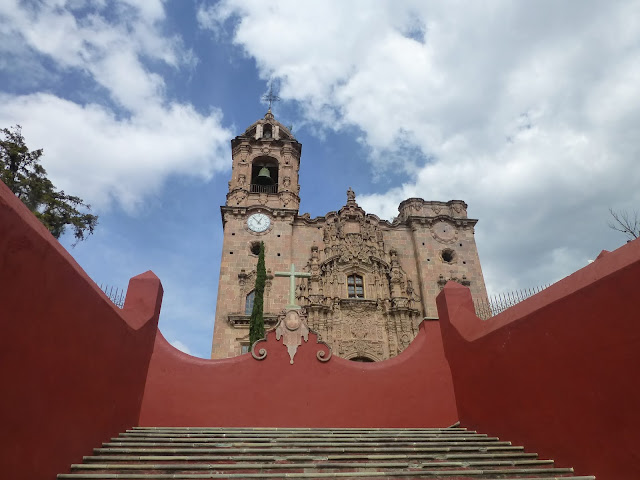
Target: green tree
pixel 21 171
pixel 256 323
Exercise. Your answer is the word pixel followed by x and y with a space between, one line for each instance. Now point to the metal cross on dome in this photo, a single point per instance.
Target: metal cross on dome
pixel 292 274
pixel 271 97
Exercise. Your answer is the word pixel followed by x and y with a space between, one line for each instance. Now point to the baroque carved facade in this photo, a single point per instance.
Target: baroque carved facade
pixel 385 320
pixel 371 282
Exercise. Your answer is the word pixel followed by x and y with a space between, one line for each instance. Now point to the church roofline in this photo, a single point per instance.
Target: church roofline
pixel 411 210
pixel 271 120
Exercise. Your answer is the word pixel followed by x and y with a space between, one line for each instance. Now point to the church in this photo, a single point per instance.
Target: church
pixel 545 389
pixel 369 282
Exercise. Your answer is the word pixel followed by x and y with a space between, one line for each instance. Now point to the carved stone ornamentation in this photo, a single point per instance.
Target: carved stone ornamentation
pixel 442 281
pixel 444 232
pixel 369 326
pixel 292 330
pixel 236 197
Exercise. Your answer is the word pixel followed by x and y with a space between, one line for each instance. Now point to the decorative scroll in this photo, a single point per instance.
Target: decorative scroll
pixel 262 353
pixel 320 355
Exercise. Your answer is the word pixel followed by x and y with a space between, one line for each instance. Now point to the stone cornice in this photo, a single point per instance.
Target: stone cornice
pixel 397 223
pixel 428 221
pixel 239 320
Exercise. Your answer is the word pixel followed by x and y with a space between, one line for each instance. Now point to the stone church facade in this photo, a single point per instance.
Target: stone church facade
pixel 371 282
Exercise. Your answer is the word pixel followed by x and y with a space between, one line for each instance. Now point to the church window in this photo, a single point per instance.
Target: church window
pixel 255 248
pixel 244 348
pixel 448 255
pixel 248 304
pixel 266 131
pixel 355 286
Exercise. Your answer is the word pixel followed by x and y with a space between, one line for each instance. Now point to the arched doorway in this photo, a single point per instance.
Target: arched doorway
pixel 361 358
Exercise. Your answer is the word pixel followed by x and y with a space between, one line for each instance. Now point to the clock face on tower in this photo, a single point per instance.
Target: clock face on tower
pixel 258 222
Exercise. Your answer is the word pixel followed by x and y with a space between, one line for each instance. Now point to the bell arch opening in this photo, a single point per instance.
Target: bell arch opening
pixel 264 175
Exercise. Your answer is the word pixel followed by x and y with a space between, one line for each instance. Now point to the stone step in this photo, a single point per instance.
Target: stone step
pixel 305 434
pixel 269 444
pixel 307 465
pixel 275 433
pixel 389 475
pixel 267 457
pixel 297 439
pixel 322 449
pixel 294 429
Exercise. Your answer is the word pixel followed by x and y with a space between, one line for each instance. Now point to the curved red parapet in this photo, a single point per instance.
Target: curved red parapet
pixel 73 366
pixel 143 301
pixel 558 371
pixel 411 390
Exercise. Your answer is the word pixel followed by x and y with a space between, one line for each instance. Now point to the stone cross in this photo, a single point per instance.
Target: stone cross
pixel 292 274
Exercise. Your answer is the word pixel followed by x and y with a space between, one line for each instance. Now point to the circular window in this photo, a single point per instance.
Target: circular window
pixel 448 255
pixel 254 248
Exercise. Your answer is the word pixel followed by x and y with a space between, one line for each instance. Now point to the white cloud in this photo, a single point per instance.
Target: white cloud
pixel 127 136
pixel 181 346
pixel 528 111
pixel 101 158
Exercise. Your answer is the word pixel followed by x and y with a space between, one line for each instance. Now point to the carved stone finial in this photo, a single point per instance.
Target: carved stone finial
pixel 351 196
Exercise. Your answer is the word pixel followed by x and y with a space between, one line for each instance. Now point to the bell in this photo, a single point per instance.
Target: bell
pixel 264 177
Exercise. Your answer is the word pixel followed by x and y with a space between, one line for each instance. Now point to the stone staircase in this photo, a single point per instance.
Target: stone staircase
pixel 451 453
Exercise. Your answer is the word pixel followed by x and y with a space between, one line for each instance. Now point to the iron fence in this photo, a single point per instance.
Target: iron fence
pixel 499 303
pixel 115 294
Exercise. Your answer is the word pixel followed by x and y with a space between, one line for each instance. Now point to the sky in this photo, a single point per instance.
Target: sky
pixel 527 111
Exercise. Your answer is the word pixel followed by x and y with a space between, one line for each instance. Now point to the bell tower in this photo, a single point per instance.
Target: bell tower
pixel 261 206
pixel 266 161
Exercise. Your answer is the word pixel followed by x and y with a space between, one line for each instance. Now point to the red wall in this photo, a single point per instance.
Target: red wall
pixel 72 365
pixel 558 372
pixel 411 390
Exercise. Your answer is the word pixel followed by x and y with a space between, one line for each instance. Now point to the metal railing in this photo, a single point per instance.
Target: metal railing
pixel 255 188
pixel 115 294
pixel 499 303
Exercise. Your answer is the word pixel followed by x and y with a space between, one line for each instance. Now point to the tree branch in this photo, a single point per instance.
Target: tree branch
pixel 626 223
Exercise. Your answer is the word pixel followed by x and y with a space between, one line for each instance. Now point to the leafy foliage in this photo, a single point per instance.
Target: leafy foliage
pixel 256 323
pixel 21 171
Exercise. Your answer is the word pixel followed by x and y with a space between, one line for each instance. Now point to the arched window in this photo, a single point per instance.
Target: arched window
pixel 248 304
pixel 266 131
pixel 355 286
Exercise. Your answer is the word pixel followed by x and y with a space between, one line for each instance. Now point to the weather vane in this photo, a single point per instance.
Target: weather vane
pixel 271 97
